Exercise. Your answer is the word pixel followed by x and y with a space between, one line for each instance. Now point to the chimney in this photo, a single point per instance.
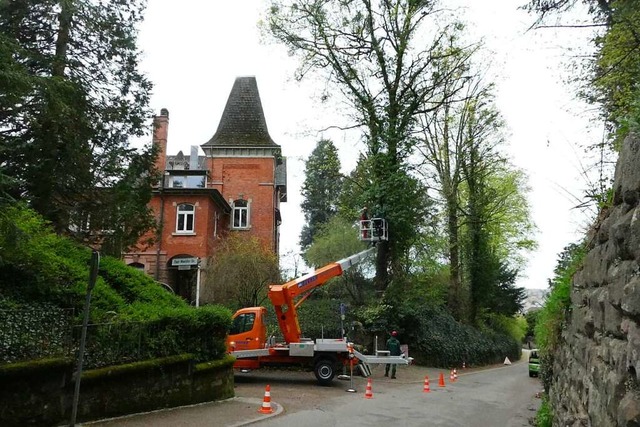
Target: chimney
pixel 160 131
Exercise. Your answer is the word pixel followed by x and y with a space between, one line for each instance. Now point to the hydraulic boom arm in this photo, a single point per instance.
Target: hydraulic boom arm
pixel 282 296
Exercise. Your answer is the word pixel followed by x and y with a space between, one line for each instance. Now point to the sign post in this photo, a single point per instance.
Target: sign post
pixel 198 286
pixel 93 276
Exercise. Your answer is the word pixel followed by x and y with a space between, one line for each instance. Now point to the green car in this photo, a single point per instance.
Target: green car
pixel 534 363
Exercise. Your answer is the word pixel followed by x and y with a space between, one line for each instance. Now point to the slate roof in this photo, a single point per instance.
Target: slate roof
pixel 242 122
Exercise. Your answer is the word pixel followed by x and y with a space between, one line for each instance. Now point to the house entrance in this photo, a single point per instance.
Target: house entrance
pixel 183 275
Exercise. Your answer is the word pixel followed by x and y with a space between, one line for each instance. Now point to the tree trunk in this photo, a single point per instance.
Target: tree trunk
pixel 62 40
pixel 455 291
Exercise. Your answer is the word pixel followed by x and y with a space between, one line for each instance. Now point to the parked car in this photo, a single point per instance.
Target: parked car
pixel 534 363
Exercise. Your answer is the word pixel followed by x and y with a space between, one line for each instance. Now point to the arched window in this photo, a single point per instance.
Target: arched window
pixel 240 214
pixel 186 218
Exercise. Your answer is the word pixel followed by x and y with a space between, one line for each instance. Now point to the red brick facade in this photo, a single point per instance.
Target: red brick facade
pixel 194 204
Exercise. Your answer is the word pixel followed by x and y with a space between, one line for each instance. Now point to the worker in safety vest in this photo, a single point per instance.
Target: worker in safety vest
pixel 393 345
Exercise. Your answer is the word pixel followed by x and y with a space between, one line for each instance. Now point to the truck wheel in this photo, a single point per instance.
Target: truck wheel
pixel 325 371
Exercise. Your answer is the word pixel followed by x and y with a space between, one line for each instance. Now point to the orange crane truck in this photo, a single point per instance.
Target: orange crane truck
pixel 248 340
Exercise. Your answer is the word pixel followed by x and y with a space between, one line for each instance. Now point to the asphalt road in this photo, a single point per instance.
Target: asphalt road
pixel 501 396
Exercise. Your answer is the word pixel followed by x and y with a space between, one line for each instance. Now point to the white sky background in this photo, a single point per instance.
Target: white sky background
pixel 194 50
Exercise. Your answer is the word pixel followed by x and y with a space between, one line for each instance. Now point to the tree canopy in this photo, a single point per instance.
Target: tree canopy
pixel 72 98
pixel 320 190
pixel 372 53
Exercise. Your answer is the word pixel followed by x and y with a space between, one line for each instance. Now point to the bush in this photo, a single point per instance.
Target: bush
pixel 133 316
pixel 38 332
pixel 200 332
pixel 437 339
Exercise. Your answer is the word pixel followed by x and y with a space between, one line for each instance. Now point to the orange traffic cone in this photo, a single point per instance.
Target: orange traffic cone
pixel 266 402
pixel 455 374
pixel 426 388
pixel 368 394
pixel 441 380
pixel 451 379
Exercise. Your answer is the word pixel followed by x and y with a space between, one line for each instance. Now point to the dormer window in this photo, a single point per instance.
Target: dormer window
pixel 186 218
pixel 240 214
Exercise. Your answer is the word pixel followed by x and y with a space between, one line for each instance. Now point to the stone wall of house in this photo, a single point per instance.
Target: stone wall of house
pixel 596 367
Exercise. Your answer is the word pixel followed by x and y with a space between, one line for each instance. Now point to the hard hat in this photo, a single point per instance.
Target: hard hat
pixel 394 333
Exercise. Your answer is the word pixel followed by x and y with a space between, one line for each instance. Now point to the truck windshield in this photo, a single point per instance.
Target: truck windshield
pixel 243 323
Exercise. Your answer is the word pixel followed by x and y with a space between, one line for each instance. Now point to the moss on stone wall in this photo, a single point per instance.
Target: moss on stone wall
pixel 135 367
pixel 227 361
pixel 32 367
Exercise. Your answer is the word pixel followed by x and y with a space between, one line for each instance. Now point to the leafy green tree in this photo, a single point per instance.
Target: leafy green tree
pixel 481 197
pixel 320 190
pixel 336 240
pixel 532 319
pixel 492 230
pixel 240 272
pixel 371 53
pixel 412 207
pixel 74 97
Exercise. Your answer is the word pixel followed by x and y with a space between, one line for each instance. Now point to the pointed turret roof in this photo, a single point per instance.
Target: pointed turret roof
pixel 242 122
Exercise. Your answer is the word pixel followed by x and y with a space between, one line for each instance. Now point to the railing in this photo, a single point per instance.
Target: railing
pixel 35 333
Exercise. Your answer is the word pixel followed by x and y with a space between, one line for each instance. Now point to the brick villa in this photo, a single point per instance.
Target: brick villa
pixel 235 187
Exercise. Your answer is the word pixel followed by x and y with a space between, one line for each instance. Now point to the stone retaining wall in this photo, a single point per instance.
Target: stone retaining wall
pixel 41 392
pixel 595 368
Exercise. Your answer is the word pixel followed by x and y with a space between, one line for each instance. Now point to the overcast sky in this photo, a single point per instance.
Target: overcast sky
pixel 194 50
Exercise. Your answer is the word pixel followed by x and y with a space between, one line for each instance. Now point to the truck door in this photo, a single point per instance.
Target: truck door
pixel 247 331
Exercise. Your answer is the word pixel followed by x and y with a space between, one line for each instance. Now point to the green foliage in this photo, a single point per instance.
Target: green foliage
pixel 552 316
pixel 338 239
pixel 320 190
pixel 134 317
pixel 532 319
pixel 321 318
pixel 437 339
pixel 616 70
pixel 136 288
pixel 39 266
pixel 544 417
pixel 71 98
pixel 514 326
pixel 149 332
pixel 337 40
pixel 40 331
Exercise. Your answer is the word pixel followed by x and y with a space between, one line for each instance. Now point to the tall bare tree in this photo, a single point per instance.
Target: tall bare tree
pixel 240 273
pixel 384 58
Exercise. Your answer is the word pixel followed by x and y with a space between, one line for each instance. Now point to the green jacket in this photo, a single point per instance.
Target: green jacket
pixel 393 345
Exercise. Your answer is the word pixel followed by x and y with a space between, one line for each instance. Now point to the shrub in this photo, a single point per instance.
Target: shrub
pixel 437 339
pixel 133 317
pixel 34 333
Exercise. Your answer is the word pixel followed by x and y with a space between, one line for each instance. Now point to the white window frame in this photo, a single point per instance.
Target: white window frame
pixel 186 213
pixel 237 212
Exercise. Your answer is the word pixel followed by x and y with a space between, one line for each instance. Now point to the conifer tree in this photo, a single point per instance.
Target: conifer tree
pixel 321 189
pixel 80 97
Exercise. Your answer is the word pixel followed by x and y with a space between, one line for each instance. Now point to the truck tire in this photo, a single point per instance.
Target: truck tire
pixel 325 370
